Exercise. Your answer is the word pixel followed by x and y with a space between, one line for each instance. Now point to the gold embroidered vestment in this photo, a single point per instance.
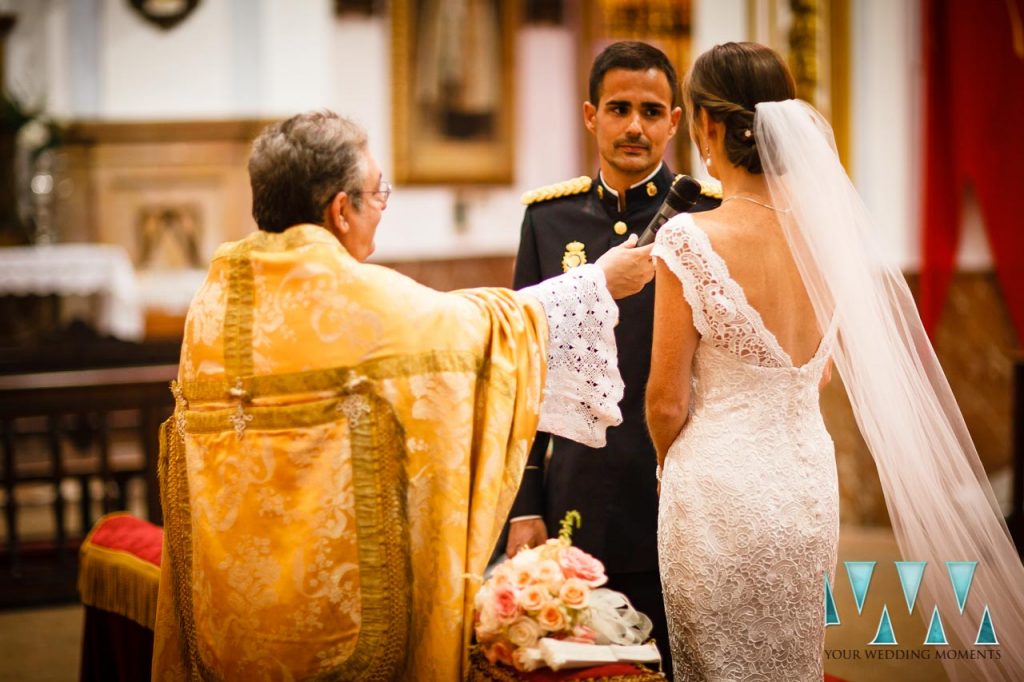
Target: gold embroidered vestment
pixel 345 448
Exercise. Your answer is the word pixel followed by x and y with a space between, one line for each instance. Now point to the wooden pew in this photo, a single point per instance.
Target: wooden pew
pixel 96 424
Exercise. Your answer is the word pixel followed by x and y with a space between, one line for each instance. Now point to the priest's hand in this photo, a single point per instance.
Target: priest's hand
pixel 627 267
pixel 527 532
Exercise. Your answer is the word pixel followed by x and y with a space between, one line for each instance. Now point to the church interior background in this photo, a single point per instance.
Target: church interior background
pixel 124 135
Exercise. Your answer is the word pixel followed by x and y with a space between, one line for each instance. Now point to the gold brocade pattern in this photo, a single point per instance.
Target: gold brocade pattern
pixel 329 535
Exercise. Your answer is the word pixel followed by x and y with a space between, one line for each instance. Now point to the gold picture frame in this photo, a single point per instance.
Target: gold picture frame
pixel 813 36
pixel 452 92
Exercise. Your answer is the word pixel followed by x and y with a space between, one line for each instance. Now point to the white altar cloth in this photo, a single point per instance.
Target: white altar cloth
pixel 104 270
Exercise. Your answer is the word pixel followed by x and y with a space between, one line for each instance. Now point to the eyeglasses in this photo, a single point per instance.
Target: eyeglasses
pixel 383 190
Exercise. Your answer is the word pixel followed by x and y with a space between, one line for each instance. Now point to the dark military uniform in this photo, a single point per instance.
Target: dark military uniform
pixel 613 487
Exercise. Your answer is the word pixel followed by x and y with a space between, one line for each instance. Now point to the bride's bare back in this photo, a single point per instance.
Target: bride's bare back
pixel 750 240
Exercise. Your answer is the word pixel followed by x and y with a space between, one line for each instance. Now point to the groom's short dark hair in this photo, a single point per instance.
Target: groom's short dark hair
pixel 631 55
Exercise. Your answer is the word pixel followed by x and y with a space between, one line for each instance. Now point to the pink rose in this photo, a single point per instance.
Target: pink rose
pixel 576 563
pixel 505 605
pixel 551 617
pixel 574 593
pixel 532 597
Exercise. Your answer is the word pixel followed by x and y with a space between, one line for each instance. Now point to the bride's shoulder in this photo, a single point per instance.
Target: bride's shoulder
pixel 701 227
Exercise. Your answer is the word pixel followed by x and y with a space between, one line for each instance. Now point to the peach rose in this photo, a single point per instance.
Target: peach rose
pixel 505 605
pixel 574 593
pixel 551 617
pixel 524 632
pixel 501 579
pixel 522 576
pixel 532 597
pixel 499 652
pixel 576 563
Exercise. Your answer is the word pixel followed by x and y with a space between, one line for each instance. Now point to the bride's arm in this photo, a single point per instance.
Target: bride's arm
pixel 675 341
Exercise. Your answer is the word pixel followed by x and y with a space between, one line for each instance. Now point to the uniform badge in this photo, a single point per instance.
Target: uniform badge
pixel 574 256
pixel 652 189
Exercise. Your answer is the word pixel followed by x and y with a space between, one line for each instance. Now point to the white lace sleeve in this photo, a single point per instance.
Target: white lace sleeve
pixel 583 387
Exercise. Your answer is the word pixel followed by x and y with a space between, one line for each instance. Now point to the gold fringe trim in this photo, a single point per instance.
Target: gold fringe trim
pixel 118 581
pixel 174 496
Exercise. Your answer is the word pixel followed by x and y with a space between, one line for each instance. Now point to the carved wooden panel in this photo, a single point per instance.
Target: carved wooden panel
pixel 168 192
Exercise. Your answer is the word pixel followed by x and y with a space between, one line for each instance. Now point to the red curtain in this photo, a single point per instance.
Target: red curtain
pixel 974 134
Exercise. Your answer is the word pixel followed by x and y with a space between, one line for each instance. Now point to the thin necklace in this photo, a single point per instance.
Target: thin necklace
pixel 755 201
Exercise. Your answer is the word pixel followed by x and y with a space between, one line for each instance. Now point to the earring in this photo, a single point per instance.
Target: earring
pixel 707 156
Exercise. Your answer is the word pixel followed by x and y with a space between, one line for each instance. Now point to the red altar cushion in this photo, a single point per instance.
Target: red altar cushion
pixel 127 533
pixel 119 567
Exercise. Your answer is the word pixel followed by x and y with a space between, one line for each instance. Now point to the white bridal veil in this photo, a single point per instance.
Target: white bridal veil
pixel 938 496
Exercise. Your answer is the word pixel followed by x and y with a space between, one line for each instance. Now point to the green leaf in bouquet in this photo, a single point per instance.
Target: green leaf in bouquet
pixel 572 518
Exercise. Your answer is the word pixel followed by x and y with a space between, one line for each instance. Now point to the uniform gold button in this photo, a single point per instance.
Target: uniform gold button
pixel 620 228
pixel 652 189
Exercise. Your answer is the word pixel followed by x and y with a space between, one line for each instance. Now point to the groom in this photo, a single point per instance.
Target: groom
pixel 633 111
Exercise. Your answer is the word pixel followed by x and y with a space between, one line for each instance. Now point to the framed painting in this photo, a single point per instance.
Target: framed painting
pixel 452 91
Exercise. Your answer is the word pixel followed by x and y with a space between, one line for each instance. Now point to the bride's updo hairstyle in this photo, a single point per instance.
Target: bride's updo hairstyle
pixel 728 81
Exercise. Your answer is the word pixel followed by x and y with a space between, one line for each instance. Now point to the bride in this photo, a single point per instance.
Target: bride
pixel 754 302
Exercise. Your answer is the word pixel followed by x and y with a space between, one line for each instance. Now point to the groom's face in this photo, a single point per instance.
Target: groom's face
pixel 632 121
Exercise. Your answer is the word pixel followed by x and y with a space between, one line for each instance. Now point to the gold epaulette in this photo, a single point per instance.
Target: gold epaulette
pixel 565 188
pixel 711 188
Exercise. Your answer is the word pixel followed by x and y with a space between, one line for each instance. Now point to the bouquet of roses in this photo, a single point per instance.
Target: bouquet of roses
pixel 551 591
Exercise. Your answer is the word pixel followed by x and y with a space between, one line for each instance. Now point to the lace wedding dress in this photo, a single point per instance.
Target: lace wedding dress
pixel 748 520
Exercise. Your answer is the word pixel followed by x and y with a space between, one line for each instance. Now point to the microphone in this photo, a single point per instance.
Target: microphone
pixel 682 195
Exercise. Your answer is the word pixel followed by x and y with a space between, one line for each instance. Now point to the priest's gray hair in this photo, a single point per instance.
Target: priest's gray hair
pixel 298 166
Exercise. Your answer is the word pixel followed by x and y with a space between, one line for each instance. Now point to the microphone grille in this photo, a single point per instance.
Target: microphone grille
pixel 683 193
